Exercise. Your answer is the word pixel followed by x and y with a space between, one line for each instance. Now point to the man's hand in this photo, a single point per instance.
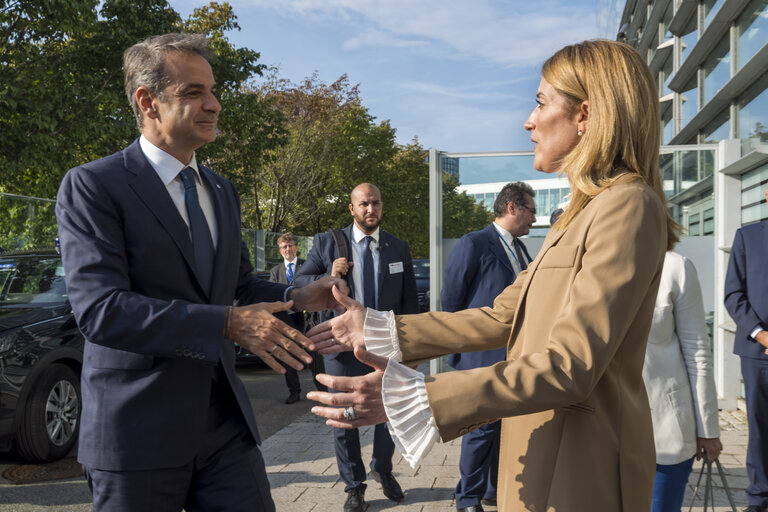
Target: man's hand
pixel 255 328
pixel 340 267
pixel 358 396
pixel 344 332
pixel 762 338
pixel 318 295
pixel 709 446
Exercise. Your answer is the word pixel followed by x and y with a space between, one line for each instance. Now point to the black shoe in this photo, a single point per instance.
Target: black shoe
pixel 491 502
pixel 355 499
pixel 389 485
pixel 473 508
pixel 293 397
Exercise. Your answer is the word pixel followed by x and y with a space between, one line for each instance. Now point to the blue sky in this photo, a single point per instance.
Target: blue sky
pixel 461 75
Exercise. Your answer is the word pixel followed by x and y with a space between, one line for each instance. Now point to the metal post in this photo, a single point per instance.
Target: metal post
pixel 435 239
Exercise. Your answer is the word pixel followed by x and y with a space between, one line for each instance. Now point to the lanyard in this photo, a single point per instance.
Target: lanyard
pixel 514 255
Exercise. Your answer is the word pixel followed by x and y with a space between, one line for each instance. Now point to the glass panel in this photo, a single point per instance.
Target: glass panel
pixel 666 75
pixel 753 185
pixel 693 225
pixel 719 128
pixel 752 28
pixel 666 166
pixel 667 126
pixel 491 169
pixel 709 221
pixel 689 101
pixel 753 111
pixel 717 69
pixel 688 38
pixel 710 9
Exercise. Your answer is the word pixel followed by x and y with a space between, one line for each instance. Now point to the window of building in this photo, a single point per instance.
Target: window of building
pixel 710 9
pixel 666 74
pixel 667 126
pixel 753 111
pixel 717 68
pixel 708 224
pixel 753 205
pixel 665 23
pixel 688 38
pixel 719 128
pixel 689 104
pixel 752 29
pixel 694 225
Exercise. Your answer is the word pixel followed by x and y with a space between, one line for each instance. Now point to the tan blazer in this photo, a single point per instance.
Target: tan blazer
pixel 576 425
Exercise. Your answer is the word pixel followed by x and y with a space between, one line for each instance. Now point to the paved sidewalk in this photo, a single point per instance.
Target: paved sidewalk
pixel 302 471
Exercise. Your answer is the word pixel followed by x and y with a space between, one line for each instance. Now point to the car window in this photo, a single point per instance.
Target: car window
pixel 28 280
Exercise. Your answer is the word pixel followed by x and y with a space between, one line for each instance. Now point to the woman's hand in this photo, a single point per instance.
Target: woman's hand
pixel 358 401
pixel 344 332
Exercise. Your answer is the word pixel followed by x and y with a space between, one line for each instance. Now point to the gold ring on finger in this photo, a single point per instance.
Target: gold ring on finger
pixel 272 350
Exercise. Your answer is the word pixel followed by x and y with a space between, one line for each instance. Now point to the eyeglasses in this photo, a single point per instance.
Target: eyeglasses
pixel 286 246
pixel 532 210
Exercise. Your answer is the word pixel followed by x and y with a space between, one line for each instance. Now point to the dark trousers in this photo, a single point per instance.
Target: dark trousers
pixel 227 473
pixel 292 376
pixel 478 465
pixel 347 441
pixel 754 372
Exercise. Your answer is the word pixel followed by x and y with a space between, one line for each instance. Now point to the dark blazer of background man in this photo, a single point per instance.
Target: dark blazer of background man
pixel 166 422
pixel 396 291
pixel 479 267
pixel 746 299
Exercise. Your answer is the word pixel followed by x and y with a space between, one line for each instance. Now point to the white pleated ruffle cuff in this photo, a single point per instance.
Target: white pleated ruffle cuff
pixel 410 424
pixel 380 334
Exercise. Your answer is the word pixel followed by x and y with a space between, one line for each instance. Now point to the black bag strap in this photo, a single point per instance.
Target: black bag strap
pixel 342 244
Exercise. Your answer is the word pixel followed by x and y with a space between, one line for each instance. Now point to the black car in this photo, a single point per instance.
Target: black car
pixel 41 355
pixel 421 271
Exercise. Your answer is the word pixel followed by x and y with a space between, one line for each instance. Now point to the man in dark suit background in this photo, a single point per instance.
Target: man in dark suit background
pixel 284 273
pixel 380 277
pixel 479 267
pixel 151 245
pixel 746 299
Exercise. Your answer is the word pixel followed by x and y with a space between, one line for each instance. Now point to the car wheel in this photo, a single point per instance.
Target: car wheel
pixel 51 421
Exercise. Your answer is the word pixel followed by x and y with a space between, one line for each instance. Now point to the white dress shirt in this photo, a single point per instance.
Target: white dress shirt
pixel 168 168
pixel 509 244
pixel 358 255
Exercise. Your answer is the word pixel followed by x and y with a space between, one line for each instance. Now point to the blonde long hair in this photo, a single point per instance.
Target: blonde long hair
pixel 623 126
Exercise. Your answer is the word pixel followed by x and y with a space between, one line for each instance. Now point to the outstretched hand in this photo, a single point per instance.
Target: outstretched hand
pixel 318 295
pixel 344 332
pixel 358 401
pixel 258 330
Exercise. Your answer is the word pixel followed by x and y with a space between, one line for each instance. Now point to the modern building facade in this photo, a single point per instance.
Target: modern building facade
pixel 710 58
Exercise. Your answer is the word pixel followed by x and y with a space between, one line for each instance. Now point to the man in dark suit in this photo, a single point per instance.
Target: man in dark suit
pixel 746 299
pixel 479 267
pixel 284 273
pixel 151 245
pixel 380 277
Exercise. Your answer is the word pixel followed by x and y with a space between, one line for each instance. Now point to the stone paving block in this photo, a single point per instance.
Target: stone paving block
pixel 411 482
pixel 287 494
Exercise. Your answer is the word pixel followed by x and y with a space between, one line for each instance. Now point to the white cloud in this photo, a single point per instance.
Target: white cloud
pixel 510 33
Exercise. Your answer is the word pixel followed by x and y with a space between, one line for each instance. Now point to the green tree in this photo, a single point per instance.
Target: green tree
pixel 62 88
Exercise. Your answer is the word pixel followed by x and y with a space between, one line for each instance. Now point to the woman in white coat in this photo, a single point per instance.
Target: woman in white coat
pixel 679 377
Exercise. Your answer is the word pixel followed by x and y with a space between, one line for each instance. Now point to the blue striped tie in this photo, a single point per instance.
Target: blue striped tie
pixel 289 273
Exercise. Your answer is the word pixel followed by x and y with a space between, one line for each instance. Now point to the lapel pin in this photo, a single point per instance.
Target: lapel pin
pixel 218 186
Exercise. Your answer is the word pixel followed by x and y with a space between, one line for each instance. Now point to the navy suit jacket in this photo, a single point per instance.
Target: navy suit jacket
pixel 277 274
pixel 477 271
pixel 153 335
pixel 397 292
pixel 746 287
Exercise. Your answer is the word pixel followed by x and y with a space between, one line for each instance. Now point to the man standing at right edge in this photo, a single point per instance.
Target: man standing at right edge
pixel 481 265
pixel 746 299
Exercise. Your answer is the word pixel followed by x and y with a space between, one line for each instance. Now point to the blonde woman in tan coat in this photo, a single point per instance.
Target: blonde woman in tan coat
pixel 576 425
